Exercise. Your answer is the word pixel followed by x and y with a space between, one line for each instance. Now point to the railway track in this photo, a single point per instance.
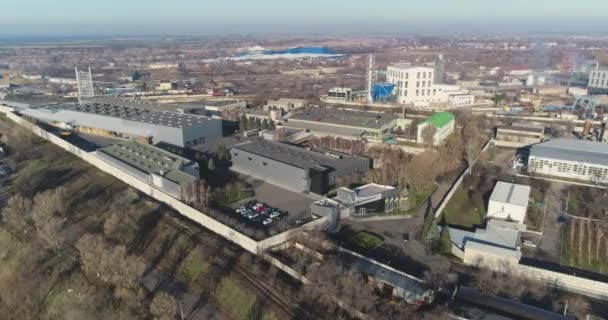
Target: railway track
pixel 285 304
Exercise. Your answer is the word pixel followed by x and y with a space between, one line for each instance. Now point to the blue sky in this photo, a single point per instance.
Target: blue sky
pixel 47 17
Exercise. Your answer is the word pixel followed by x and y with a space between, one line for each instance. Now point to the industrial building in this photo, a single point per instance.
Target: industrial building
pixel 294 168
pixel 345 123
pixel 162 169
pixel 340 94
pixel 509 201
pixel 519 134
pixel 444 123
pixel 218 106
pixel 598 81
pixel 415 85
pixel 285 104
pixel 571 159
pixel 144 125
pixel 497 244
pixel 368 199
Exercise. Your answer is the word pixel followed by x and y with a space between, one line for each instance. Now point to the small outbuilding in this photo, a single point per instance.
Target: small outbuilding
pixel 509 201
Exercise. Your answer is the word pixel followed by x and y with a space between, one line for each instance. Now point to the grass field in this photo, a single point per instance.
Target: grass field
pixel 366 240
pixel 460 211
pixel 239 302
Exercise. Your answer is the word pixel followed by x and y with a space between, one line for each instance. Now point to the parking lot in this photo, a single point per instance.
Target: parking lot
pixel 295 205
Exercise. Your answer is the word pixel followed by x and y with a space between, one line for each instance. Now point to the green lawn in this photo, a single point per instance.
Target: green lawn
pixel 194 268
pixel 366 240
pixel 460 211
pixel 240 302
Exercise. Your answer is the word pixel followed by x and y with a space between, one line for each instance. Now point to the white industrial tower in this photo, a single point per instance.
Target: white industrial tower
pixel 85 84
pixel 370 78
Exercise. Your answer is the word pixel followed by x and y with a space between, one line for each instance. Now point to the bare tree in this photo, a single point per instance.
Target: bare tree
pixel 49 226
pixel 18 214
pixel 163 307
pixel 428 135
pixel 472 142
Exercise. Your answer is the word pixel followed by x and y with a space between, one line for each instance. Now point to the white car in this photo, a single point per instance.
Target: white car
pixel 529 243
pixel 275 214
pixel 257 206
pixel 267 222
pixel 241 210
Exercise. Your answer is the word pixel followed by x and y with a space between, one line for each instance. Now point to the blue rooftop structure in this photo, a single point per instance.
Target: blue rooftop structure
pixel 382 91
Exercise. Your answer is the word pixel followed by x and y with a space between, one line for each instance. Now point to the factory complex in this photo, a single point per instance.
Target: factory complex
pixel 144 125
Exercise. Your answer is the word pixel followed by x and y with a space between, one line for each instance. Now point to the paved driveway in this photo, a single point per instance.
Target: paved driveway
pixel 550 243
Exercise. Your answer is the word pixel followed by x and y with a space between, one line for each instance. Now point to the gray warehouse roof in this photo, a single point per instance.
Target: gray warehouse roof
pixel 358 119
pixel 299 157
pixel 511 193
pixel 572 150
pixel 150 159
pixel 163 118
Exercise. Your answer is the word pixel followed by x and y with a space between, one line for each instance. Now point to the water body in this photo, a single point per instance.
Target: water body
pixel 290 53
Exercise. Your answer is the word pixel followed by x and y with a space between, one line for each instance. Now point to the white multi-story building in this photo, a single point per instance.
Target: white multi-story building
pixel 415 85
pixel 598 81
pixel 570 158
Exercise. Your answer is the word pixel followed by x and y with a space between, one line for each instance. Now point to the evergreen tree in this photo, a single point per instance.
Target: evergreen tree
pixel 265 125
pixel 432 237
pixel 222 153
pixel 211 164
pixel 445 244
pixel 258 123
pixel 243 123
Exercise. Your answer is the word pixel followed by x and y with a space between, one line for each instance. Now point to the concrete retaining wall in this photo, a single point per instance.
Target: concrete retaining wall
pixel 566 282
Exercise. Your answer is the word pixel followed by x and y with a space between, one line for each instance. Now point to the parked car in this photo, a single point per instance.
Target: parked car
pixel 275 214
pixel 267 222
pixel 529 243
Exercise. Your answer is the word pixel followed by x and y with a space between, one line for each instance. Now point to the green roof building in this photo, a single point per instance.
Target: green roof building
pixel 440 119
pixel 444 123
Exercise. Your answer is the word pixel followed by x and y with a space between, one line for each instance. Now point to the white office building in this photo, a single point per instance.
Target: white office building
pixel 571 159
pixel 509 201
pixel 598 81
pixel 415 85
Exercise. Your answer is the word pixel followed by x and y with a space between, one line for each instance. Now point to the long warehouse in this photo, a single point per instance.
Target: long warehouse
pixel 144 125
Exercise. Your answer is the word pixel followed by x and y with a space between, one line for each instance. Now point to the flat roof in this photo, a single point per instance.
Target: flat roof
pixel 371 189
pixel 440 119
pixel 299 157
pixel 406 66
pixel 150 159
pixel 511 193
pixel 359 119
pixel 325 128
pixel 415 287
pixel 572 150
pixel 523 127
pixel 163 118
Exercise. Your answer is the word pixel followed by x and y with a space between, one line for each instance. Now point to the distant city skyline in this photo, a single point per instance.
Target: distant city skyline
pixel 190 17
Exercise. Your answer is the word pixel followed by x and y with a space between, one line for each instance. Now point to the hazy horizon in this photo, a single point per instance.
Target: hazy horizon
pixel 40 18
